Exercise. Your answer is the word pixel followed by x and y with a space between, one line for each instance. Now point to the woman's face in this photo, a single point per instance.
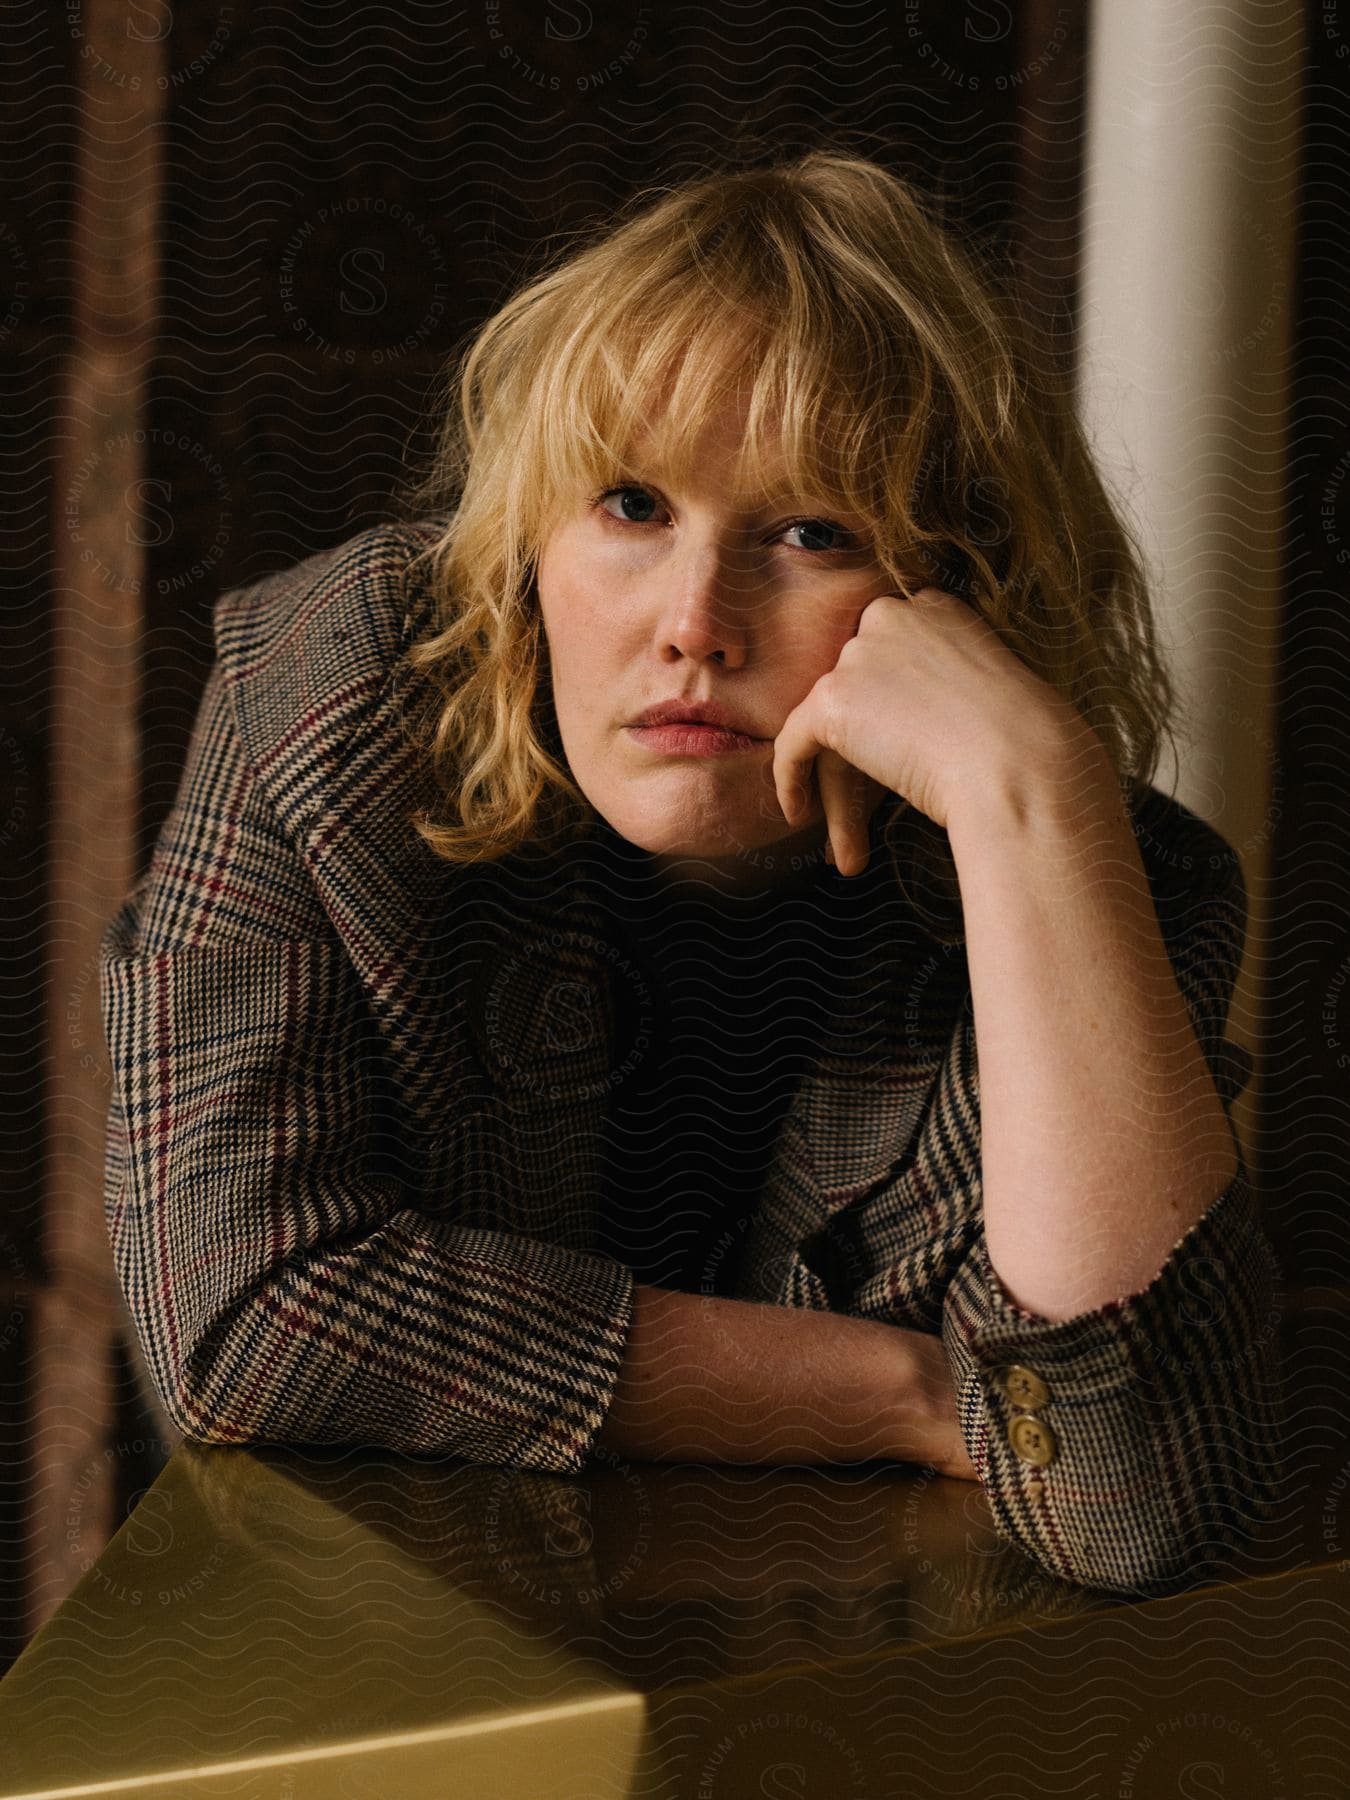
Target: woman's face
pixel 688 594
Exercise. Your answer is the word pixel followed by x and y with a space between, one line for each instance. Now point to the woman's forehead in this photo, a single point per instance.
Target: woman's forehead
pixel 722 403
pixel 718 447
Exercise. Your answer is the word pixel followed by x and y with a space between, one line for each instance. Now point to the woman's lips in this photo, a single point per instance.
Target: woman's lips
pixel 685 738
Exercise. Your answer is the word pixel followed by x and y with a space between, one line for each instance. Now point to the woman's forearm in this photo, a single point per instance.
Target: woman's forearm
pixel 1103 1137
pixel 707 1379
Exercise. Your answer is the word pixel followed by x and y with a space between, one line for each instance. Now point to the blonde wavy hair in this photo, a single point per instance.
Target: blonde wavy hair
pixel 889 365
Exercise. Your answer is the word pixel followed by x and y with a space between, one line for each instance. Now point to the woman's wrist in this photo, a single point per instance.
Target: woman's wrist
pixel 708 1379
pixel 924 1426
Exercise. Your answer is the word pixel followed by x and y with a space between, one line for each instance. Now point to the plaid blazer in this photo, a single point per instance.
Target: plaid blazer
pixel 355 1136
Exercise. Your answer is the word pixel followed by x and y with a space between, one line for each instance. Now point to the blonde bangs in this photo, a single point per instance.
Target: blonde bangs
pixel 631 390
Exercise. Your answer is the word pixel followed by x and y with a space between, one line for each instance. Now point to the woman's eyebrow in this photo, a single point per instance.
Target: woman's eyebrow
pixel 783 493
pixel 645 462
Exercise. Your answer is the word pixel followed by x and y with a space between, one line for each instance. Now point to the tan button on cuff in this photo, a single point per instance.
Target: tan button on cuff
pixel 1032 1439
pixel 1023 1386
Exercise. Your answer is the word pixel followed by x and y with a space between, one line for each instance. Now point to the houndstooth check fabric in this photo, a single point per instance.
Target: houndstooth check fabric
pixel 355 1136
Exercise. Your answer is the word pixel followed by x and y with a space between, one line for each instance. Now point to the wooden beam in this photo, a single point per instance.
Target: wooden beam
pixel 97 622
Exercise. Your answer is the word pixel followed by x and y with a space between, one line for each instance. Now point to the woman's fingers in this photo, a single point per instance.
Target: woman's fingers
pixel 795 752
pixel 842 800
pixel 792 781
pixel 849 798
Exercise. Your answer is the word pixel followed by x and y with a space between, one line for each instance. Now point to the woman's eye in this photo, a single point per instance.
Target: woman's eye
pixel 638 505
pixel 813 528
pixel 624 495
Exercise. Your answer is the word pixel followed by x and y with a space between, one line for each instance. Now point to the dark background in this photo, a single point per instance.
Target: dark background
pixel 338 197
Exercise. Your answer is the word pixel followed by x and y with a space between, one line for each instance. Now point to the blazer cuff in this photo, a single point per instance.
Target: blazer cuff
pixel 1213 1293
pixel 1133 1446
pixel 535 1285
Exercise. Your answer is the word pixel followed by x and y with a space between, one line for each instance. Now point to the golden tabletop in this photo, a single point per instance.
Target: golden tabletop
pixel 292 1623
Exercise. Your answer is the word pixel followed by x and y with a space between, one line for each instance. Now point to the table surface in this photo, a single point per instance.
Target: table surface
pixel 285 1622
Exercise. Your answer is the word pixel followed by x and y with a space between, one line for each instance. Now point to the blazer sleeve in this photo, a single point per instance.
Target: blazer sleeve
pixel 1163 1407
pixel 284 1285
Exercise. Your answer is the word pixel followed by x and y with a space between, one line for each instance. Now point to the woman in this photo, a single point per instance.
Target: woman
pixel 549 1018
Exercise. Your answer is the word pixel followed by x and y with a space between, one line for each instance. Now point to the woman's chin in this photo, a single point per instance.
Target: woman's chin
pixel 727 849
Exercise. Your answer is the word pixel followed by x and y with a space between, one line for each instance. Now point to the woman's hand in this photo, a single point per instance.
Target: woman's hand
pixel 926 1429
pixel 926 701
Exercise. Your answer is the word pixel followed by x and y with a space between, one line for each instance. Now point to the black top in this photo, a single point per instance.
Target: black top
pixel 733 997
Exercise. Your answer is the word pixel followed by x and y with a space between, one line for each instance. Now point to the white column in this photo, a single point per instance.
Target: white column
pixel 1189 203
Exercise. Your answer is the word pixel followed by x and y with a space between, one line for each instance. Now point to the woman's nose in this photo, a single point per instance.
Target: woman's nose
pixel 698 634
pixel 714 607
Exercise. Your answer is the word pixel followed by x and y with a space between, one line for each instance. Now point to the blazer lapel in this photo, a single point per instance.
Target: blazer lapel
pixel 854 1117
pixel 863 1101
